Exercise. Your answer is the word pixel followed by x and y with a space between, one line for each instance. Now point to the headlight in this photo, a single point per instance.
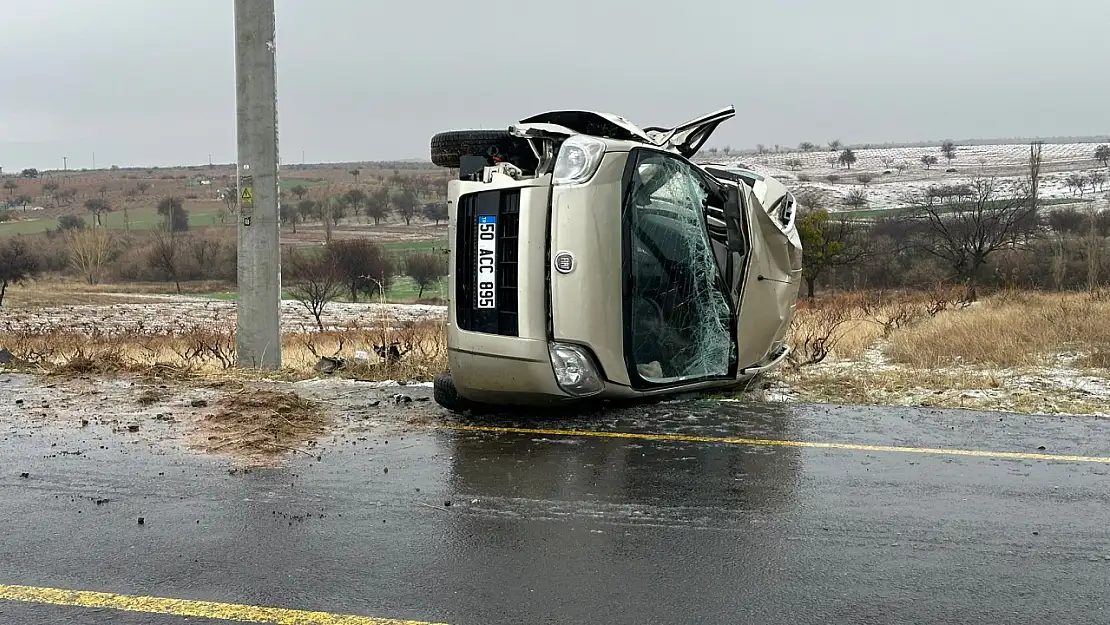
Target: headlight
pixel 574 370
pixel 578 159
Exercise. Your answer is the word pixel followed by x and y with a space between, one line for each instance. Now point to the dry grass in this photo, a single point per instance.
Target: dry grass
pixel 941 350
pixel 861 386
pixel 1011 329
pixel 966 388
pixel 62 291
pixel 260 425
pixel 845 325
pixel 421 350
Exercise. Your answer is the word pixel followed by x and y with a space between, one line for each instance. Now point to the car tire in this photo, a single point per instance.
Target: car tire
pixel 446 395
pixel 448 148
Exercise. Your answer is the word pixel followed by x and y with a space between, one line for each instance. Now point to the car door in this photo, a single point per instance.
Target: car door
pixel 678 317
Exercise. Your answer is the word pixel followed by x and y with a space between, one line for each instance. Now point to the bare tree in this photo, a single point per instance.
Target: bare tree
pixel 847 157
pixel 948 149
pixel 425 269
pixel 314 280
pixel 288 215
pixel 1076 182
pixel 11 186
pixel 435 211
pixel 50 188
pixel 174 215
pixel 98 206
pixel 377 205
pixel 964 233
pixel 1094 248
pixel 1034 182
pixel 18 263
pixel 929 160
pixel 1102 154
pixel 165 254
pixel 363 264
pixel 356 199
pixel 329 209
pixel 806 146
pixel 66 196
pixel 827 243
pixel 1097 180
pixel 834 145
pixel 308 210
pixel 142 188
pixel 901 166
pixel 856 198
pixel 89 252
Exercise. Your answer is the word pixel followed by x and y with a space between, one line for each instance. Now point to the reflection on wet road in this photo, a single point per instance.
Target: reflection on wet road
pixel 492 526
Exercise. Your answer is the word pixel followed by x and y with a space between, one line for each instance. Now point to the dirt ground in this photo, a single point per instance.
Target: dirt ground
pixel 244 423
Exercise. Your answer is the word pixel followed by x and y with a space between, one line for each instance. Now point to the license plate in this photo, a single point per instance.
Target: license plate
pixel 487 261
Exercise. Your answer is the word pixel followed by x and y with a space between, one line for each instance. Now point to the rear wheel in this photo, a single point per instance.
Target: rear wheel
pixel 448 148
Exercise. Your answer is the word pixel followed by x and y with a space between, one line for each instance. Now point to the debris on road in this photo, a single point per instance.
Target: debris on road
pixel 260 424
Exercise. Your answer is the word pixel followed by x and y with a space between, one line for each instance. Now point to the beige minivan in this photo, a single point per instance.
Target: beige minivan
pixel 592 259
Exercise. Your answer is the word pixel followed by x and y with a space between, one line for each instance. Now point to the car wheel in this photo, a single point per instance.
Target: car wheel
pixel 446 395
pixel 448 148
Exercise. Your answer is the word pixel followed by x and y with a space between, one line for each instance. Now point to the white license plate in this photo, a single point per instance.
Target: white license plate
pixel 487 261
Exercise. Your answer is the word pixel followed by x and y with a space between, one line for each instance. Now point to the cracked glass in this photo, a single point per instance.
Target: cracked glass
pixel 680 316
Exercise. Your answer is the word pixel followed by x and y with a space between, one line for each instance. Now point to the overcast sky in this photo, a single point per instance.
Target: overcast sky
pixel 151 82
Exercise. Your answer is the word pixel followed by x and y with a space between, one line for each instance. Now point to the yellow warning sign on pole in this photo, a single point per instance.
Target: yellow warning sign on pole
pixel 246 193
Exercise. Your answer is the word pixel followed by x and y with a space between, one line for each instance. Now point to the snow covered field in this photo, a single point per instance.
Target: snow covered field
pixel 887 187
pixel 171 314
pixel 1060 388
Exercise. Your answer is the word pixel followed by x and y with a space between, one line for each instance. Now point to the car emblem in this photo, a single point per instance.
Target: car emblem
pixel 564 262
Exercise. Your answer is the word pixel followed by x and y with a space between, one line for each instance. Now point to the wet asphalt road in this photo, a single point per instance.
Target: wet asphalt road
pixel 555 529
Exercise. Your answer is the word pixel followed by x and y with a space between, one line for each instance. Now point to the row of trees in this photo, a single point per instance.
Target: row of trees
pixel 379 205
pixel 982 233
pixel 65 196
pixel 356 268
pixel 847 157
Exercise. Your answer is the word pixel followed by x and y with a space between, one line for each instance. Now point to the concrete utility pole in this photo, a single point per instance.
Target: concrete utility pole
pixel 258 316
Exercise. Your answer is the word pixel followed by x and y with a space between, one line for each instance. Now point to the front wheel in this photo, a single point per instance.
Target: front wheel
pixel 446 395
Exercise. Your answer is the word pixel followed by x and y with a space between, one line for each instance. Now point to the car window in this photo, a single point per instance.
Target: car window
pixel 679 316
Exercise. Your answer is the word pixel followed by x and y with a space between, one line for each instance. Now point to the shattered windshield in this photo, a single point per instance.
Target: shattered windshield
pixel 679 316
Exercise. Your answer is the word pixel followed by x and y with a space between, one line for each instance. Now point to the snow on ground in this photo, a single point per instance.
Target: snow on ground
pixel 1060 389
pixel 889 187
pixel 872 378
pixel 166 314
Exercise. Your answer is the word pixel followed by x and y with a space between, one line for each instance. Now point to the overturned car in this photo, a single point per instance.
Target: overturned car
pixel 592 259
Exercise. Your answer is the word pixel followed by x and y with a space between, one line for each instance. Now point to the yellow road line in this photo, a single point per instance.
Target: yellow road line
pixel 687 438
pixel 185 607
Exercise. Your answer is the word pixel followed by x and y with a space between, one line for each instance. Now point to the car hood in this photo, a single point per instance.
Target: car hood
pixel 686 138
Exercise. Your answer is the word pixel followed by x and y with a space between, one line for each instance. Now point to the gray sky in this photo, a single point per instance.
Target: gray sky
pixel 151 82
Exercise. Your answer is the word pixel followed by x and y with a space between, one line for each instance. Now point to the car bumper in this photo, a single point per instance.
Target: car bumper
pixel 502 370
